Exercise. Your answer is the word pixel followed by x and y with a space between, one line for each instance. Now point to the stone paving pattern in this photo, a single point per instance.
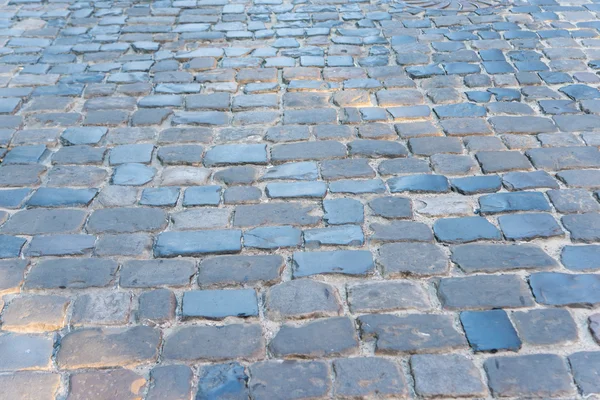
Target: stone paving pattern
pixel 276 199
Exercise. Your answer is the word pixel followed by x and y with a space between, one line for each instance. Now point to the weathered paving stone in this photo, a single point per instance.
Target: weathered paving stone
pixel 275 214
pixel 194 243
pixel 25 351
pixel 555 288
pixel 368 376
pixel 568 201
pixel 398 259
pixel 127 220
pixel 545 326
pixel 581 258
pixel 235 341
pixel 585 366
pixel 298 379
pixel 218 304
pixel 103 385
pixel 447 375
pixel 347 262
pixel 12 273
pixel 61 197
pixel 301 298
pixel 227 381
pixel 101 308
pixel 583 227
pixel 484 292
pixel 296 189
pixel 489 330
pixel 411 334
pixel 156 306
pixel 108 347
pixel 321 150
pixel 507 202
pixel 236 154
pixel 273 237
pixel 529 180
pixel 13 198
pixel 237 175
pixel 533 375
pixel 529 226
pixel 202 196
pixel 419 184
pixel 30 384
pixel 170 382
pixel 304 170
pixel 20 175
pixel 154 273
pixel 60 245
pixel 464 230
pixel 343 211
pixel 560 158
pixel 500 257
pixel 387 296
pixel 392 207
pixel 238 270
pixel 10 246
pixel 476 184
pixel 132 174
pixel 322 338
pixel 502 161
pixel 349 168
pixel 44 221
pixel 401 231
pixel 346 235
pixel 71 273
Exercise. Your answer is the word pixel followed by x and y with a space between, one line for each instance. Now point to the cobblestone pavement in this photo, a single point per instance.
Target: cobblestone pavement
pixel 277 199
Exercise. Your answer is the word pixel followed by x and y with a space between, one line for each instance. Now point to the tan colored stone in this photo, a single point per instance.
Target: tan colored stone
pixel 121 384
pixel 108 347
pixel 29 385
pixel 352 98
pixel 37 313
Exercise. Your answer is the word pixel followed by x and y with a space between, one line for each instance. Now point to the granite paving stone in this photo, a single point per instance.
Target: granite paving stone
pixel 278 199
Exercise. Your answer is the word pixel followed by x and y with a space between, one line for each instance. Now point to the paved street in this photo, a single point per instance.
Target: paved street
pixel 308 199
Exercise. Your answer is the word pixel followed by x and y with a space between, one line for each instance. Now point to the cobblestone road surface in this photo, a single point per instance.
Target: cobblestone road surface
pixel 318 199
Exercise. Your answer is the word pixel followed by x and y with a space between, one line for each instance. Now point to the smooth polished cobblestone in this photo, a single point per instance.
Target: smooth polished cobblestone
pixel 299 199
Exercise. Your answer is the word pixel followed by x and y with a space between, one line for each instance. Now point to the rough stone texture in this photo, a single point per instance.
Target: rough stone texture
pixel 368 376
pixel 301 298
pixel 449 375
pixel 322 338
pixel 232 341
pixel 489 331
pixel 484 291
pixel 535 375
pixel 298 379
pixel 357 158
pixel 103 385
pixel 108 347
pixel 586 369
pixel 28 385
pixel 413 333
